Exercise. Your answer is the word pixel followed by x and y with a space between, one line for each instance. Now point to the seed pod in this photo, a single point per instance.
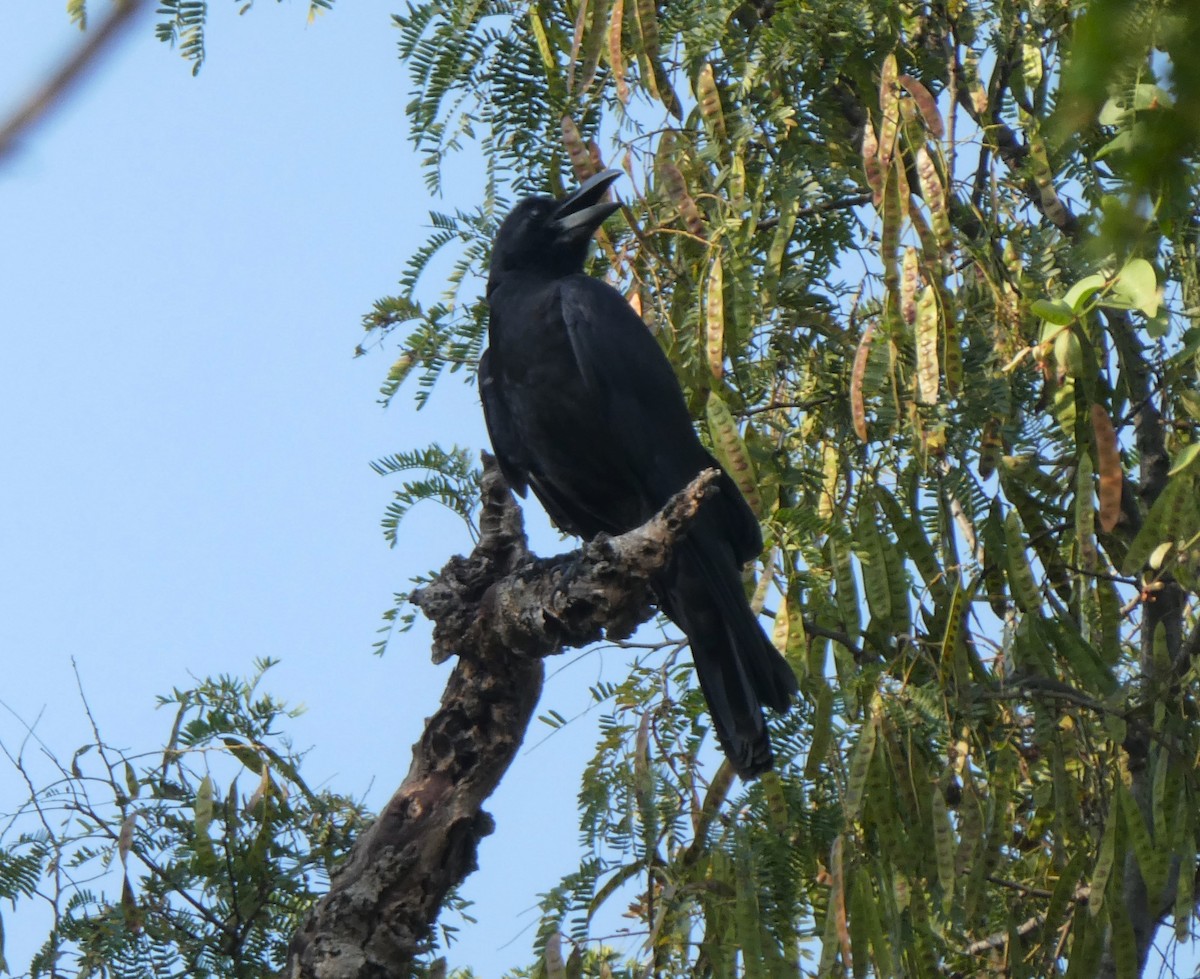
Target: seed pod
pixel 935 197
pixel 952 365
pixel 990 445
pixel 874 564
pixel 827 500
pixel 943 842
pixel 910 278
pixel 858 409
pixel 927 347
pixel 1068 354
pixel 647 22
pixel 860 764
pixel 1052 206
pixel 1108 461
pixel 1085 512
pixel 731 450
pixel 872 166
pixel 1025 591
pixel 779 629
pixel 899 175
pixel 931 249
pixel 737 179
pixel 589 45
pixel 889 104
pixel 714 320
pixel 822 731
pixel 926 105
pixel 616 58
pixel 847 590
pixel 889 235
pixel 1185 889
pixel 577 151
pixel 709 99
pixel 1031 65
pixel 653 74
pixel 676 188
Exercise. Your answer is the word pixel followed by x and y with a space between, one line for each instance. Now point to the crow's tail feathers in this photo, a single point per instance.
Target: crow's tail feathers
pixel 740 671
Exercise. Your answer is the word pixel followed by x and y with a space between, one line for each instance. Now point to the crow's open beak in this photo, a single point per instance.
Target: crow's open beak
pixel 583 211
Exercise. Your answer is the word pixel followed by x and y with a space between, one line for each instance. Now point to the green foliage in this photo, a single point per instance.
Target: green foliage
pixel 450 479
pixel 927 275
pixel 182 23
pixel 199 860
pixel 449 333
pixel 182 26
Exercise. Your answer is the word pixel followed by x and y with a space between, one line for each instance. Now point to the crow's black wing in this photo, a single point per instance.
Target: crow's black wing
pixel 505 441
pixel 628 377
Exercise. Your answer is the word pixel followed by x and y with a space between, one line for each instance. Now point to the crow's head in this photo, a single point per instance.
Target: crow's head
pixel 551 236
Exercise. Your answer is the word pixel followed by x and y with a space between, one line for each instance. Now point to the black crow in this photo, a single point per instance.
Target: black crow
pixel 583 407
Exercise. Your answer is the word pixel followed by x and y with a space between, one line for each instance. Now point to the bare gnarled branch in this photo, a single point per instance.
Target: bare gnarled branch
pixel 500 610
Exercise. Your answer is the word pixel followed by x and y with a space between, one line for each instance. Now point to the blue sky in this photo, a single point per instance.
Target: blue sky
pixel 184 263
pixel 183 267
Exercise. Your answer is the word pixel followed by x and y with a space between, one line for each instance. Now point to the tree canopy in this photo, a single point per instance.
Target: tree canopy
pixel 928 275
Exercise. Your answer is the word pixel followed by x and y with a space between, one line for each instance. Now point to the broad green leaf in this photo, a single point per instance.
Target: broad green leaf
pixel 1185 459
pixel 1137 285
pixel 1053 311
pixel 1154 528
pixel 1083 290
pixel 1118 109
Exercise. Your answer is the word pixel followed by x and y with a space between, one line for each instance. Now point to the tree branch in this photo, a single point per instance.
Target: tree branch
pixel 499 610
pixel 69 73
pixel 1001 938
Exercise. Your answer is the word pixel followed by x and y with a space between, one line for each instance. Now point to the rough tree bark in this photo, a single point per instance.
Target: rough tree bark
pixel 499 611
